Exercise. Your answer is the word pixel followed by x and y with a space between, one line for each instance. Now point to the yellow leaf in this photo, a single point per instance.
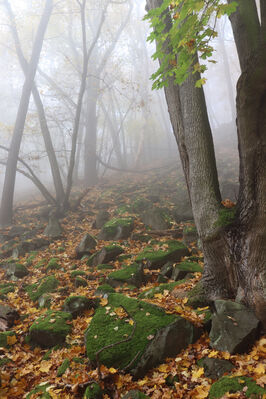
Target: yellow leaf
pixel 163 368
pixel 45 366
pixel 120 312
pixel 104 301
pixel 197 374
pixel 260 369
pixel 11 339
pixel 131 322
pixel 158 296
pixel 112 370
pixel 213 354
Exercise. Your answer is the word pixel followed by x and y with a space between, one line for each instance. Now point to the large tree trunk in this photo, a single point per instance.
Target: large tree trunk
pixel 234 251
pixel 10 175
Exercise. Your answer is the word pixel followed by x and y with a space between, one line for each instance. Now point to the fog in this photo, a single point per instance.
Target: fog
pixel 123 123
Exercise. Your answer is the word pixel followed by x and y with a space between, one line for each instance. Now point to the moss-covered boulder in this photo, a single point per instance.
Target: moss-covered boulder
pixel 104 289
pixel 50 329
pixel 15 271
pixel 93 391
pixel 143 334
pixel 80 282
pixel 53 264
pixel 135 394
pixel 105 255
pixel 117 229
pixel 76 305
pixel 131 275
pixel 243 385
pixel 168 251
pixel 6 338
pixel 105 266
pixel 234 327
pixel 40 391
pixel 147 294
pixel 85 246
pixel 156 219
pixel 197 296
pixel 140 205
pixel 181 269
pixel 140 237
pixel 47 285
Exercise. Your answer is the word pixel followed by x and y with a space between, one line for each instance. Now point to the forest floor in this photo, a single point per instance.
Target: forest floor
pixel 22 366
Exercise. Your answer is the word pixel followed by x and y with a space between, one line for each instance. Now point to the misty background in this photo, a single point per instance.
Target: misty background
pixel 124 124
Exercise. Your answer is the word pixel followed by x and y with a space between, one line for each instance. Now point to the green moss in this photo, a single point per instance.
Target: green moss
pixel 40 264
pixel 175 251
pixel 197 296
pixel 4 337
pixel 236 384
pixel 80 282
pixel 93 391
pixel 53 324
pixel 40 389
pixel 105 267
pixel 125 273
pixel 31 258
pixel 53 265
pixel 192 267
pixel 121 258
pixel 189 230
pixel 60 249
pixel 120 210
pixel 48 284
pixel 4 361
pixel 76 273
pixel 104 288
pixel 6 288
pixel 226 216
pixel 106 328
pixel 160 289
pixel 78 360
pixel 141 204
pixel 63 368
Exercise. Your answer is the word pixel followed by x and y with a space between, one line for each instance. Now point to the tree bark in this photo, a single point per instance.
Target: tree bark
pixel 59 189
pixel 10 175
pixel 234 252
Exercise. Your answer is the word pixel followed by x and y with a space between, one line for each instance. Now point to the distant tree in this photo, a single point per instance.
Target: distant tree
pixel 233 238
pixel 6 210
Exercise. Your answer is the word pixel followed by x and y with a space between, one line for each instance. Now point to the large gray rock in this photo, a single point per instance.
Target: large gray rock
pixel 101 218
pixel 117 229
pixel 85 246
pixel 234 327
pixel 53 229
pixel 27 246
pixel 156 219
pixel 145 333
pixel 105 255
pixel 15 271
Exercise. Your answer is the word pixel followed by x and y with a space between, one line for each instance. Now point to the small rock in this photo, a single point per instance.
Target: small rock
pixel 76 305
pixel 8 314
pixel 86 245
pixel 216 368
pixel 131 275
pixel 117 229
pixel 16 271
pixel 156 219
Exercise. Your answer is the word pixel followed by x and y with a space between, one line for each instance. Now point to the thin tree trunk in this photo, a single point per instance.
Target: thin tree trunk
pixel 10 175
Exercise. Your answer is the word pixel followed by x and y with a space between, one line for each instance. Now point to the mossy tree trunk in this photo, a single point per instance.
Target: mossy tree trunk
pixel 233 240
